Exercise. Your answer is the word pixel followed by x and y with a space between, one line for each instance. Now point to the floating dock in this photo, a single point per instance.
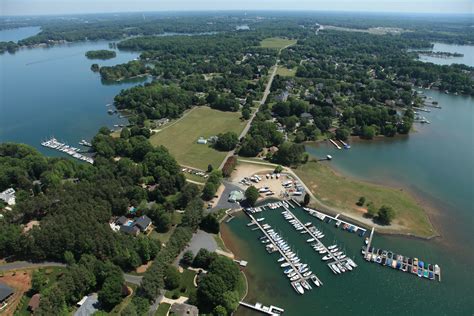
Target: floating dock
pixel 269 310
pixel 274 248
pixel 53 143
pixel 399 262
pixel 333 258
pixel 345 224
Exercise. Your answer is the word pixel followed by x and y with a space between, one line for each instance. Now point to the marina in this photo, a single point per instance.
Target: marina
pixel 328 218
pixel 337 260
pixel 53 143
pixel 297 272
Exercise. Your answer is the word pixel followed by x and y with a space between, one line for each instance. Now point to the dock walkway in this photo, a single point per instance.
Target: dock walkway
pixel 322 216
pixel 269 310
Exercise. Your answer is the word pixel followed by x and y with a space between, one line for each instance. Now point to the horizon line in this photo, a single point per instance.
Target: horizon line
pixel 242 11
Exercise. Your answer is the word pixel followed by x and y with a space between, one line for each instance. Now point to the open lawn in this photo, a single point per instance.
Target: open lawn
pixel 286 72
pixel 276 42
pixel 181 138
pixel 164 237
pixel 186 286
pixel 163 309
pixel 342 193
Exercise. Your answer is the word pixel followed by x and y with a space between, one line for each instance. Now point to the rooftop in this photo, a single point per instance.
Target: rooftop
pixel 5 292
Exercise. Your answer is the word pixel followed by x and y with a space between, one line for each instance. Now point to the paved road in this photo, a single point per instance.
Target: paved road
pixel 17 265
pixel 89 307
pixel 26 265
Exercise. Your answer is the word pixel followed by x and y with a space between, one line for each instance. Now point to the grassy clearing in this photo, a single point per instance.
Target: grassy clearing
pixel 181 138
pixel 186 287
pixel 195 178
pixel 342 193
pixel 286 72
pixel 163 309
pixel 164 237
pixel 117 310
pixel 276 42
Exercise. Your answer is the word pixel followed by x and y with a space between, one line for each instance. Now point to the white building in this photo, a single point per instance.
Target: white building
pixel 8 196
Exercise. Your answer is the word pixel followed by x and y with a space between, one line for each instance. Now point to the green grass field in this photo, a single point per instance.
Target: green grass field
pixel 181 138
pixel 164 237
pixel 276 42
pixel 163 309
pixel 342 193
pixel 286 72
pixel 186 287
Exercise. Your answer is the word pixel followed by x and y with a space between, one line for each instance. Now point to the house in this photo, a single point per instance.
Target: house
pixel 306 116
pixel 202 141
pixel 130 230
pixel 162 121
pixel 143 223
pixel 184 310
pixel 282 97
pixel 8 196
pixel 5 293
pixel 122 220
pixel 34 302
pixel 235 196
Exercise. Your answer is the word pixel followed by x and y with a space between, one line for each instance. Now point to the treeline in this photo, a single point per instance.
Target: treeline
pixel 10 47
pixel 101 54
pixel 119 72
pixel 155 101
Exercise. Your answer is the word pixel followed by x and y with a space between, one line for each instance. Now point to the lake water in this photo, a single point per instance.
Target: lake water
pixel 17 34
pixel 467 50
pixel 435 163
pixel 51 91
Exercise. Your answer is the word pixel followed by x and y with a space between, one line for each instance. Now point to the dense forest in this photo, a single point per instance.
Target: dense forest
pixel 101 54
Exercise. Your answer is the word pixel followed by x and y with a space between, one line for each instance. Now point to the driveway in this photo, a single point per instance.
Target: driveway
pixel 89 307
pixel 223 203
pixel 17 265
pixel 200 239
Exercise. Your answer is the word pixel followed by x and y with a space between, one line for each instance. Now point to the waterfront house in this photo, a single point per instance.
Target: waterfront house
pixel 130 230
pixel 5 293
pixel 143 223
pixel 8 196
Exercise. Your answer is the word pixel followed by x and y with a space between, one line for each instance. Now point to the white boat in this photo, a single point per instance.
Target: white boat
pixel 308 224
pixel 308 273
pixel 333 250
pixel 348 267
pixel 336 268
pixel 292 275
pixel 332 247
pixel 304 270
pixel 288 271
pixel 326 257
pixel 310 240
pixel 322 251
pixel 295 260
pixel 281 259
pixel 298 288
pixel 306 285
pixel 352 263
pixel 260 219
pixel 315 281
pixel 285 264
pixel 296 277
pixel 341 256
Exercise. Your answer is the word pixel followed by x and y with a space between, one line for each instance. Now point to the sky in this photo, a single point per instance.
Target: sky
pixel 41 7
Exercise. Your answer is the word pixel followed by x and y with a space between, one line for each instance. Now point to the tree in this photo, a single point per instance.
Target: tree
pixel 226 141
pixel 210 224
pixel 290 154
pixel 203 259
pixel 227 270
pixel 371 210
pixel 187 259
pixel 342 133
pixel 111 292
pixel 210 292
pixel 251 195
pixel 246 113
pixel 307 199
pixel 219 310
pixel 278 169
pixel 385 215
pixel 368 132
pixel 361 201
pixel 38 282
pixel 210 168
pixel 231 301
pixel 172 277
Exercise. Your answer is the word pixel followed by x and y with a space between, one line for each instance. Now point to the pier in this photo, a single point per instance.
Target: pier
pixel 275 248
pixel 350 227
pixel 333 258
pixel 399 262
pixel 269 310
pixel 335 144
pixel 53 143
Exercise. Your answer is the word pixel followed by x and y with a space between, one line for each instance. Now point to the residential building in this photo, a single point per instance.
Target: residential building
pixel 184 310
pixel 130 230
pixel 143 223
pixel 34 302
pixel 5 293
pixel 8 196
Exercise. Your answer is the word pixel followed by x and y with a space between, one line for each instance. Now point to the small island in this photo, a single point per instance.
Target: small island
pixel 440 54
pixel 101 54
